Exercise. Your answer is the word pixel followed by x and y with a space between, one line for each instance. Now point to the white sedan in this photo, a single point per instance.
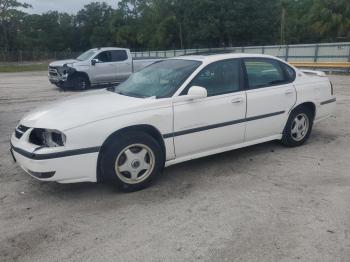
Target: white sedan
pixel 170 112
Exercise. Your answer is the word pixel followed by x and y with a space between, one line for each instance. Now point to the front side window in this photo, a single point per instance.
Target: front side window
pixel 264 73
pixel 119 55
pixel 104 57
pixel 160 80
pixel 219 78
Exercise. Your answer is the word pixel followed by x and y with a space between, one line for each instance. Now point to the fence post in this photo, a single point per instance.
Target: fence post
pixel 174 53
pixel 287 53
pixel 316 53
pixel 349 61
pixel 263 49
pixel 242 49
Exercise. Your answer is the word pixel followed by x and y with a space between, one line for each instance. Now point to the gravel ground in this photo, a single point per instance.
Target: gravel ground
pixel 262 203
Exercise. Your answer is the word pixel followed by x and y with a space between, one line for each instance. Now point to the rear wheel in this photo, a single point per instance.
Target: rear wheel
pixel 131 161
pixel 298 127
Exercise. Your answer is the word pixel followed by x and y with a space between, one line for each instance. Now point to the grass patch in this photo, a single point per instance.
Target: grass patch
pixel 13 68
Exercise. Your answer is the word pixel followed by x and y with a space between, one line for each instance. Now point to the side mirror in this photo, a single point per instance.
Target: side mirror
pixel 197 92
pixel 94 61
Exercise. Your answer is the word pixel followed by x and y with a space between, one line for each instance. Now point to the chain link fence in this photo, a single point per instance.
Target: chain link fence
pixel 34 56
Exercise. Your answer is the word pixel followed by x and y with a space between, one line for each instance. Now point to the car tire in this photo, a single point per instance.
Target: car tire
pixel 298 127
pixel 131 161
pixel 81 82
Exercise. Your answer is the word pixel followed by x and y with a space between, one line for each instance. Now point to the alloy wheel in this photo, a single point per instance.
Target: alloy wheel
pixel 300 127
pixel 134 164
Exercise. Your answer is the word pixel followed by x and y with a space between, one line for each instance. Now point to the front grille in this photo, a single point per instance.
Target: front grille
pixel 53 71
pixel 20 130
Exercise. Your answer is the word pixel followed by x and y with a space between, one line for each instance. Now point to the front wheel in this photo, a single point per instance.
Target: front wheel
pixel 298 127
pixel 131 160
pixel 81 82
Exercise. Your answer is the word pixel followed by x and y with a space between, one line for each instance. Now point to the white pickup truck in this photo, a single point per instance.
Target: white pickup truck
pixel 96 67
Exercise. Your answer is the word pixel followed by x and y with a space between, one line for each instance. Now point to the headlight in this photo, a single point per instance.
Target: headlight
pixel 47 137
pixel 66 69
pixel 62 70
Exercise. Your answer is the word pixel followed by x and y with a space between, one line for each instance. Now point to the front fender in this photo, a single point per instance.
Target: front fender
pixel 94 134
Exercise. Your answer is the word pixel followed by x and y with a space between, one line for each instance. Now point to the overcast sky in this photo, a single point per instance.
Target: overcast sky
pixel 69 6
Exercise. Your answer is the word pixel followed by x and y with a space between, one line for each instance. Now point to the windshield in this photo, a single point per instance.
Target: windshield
pixel 158 80
pixel 87 55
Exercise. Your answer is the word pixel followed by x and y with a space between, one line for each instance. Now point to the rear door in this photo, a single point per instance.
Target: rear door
pixel 122 64
pixel 216 121
pixel 270 96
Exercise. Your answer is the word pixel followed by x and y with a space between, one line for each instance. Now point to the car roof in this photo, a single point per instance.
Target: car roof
pixel 221 56
pixel 109 48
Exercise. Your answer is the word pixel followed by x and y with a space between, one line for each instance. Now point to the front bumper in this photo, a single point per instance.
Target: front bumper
pixel 58 79
pixel 55 164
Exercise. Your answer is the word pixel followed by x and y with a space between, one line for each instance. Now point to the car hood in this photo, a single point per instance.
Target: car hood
pixel 63 62
pixel 82 109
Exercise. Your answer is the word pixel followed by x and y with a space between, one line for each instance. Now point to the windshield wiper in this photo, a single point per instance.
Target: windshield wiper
pixel 111 89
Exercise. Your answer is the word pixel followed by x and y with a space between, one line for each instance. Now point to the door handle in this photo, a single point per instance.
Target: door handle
pixel 237 100
pixel 289 92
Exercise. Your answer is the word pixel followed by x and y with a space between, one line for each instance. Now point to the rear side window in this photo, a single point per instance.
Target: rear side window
pixel 289 71
pixel 119 55
pixel 264 72
pixel 220 77
pixel 104 56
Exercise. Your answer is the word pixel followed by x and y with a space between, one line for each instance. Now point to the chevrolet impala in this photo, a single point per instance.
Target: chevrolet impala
pixel 170 112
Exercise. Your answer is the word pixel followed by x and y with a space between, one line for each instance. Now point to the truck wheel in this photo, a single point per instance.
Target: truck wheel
pixel 298 127
pixel 131 161
pixel 81 82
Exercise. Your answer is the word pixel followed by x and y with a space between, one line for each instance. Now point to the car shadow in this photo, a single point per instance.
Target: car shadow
pixel 179 180
pixel 176 181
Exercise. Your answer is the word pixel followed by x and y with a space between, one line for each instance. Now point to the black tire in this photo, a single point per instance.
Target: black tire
pixel 115 149
pixel 81 82
pixel 290 138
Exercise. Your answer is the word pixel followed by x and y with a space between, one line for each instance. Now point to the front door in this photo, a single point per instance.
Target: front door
pixel 216 121
pixel 105 70
pixel 270 96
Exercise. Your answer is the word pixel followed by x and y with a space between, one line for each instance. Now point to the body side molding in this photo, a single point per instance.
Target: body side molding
pixel 204 128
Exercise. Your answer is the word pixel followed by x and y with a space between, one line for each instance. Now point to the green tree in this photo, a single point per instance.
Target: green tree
pixel 331 19
pixel 93 22
pixel 9 20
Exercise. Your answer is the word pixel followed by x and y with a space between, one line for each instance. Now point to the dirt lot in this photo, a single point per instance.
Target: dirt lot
pixel 262 203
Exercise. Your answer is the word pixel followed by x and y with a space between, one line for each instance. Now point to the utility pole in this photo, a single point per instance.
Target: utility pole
pixel 283 22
